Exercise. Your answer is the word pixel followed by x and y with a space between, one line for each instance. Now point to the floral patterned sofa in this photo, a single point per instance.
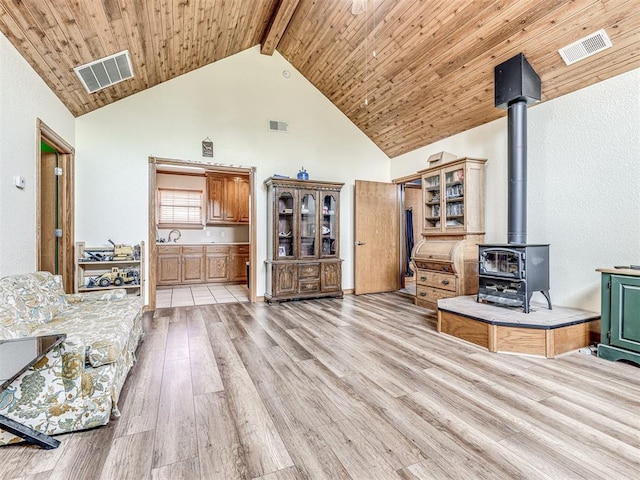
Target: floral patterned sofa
pixel 76 385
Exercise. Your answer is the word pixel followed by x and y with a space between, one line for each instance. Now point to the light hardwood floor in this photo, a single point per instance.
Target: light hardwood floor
pixel 360 388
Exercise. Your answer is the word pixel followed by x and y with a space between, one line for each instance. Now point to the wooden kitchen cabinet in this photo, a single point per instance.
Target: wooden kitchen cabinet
pixel 244 193
pixel 215 198
pixel 238 258
pixel 193 264
pixel 178 265
pixel 227 199
pixel 169 265
pixel 217 259
pixel 303 255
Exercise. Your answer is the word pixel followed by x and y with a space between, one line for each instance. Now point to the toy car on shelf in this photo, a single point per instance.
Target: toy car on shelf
pixel 116 277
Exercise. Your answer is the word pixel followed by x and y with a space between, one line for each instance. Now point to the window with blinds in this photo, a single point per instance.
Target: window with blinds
pixel 179 208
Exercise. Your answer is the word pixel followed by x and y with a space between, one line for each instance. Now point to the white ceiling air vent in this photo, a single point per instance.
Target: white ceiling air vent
pixel 105 72
pixel 585 47
pixel 276 126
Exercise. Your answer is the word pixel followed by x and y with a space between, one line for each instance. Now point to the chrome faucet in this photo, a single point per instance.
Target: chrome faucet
pixel 175 240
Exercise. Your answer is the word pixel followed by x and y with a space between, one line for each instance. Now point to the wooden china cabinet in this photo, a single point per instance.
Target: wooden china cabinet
pixel 303 255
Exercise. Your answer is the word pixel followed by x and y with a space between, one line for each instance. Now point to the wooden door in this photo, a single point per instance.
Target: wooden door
pixel 215 198
pixel 377 237
pixel 285 279
pixel 49 260
pixel 244 192
pixel 55 205
pixel 331 279
pixel 168 269
pixel 308 229
pixel 625 312
pixel 238 263
pixel 231 199
pixel 217 268
pixel 192 265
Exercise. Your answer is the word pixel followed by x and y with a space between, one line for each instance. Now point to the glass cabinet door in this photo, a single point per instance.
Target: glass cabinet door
pixel 308 244
pixel 454 199
pixel 431 190
pixel 285 227
pixel 329 226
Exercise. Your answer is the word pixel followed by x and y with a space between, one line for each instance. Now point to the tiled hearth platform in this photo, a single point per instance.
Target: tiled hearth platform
pixel 541 332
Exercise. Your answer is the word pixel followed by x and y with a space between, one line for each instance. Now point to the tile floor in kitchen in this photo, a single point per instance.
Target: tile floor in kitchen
pixel 185 296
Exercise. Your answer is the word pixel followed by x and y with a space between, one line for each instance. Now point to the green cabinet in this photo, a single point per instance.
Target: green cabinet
pixel 620 315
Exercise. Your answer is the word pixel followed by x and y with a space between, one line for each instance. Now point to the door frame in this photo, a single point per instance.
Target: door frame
pixel 401 185
pixel 152 248
pixel 67 215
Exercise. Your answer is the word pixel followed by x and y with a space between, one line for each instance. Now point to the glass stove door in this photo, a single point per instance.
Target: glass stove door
pixel 502 263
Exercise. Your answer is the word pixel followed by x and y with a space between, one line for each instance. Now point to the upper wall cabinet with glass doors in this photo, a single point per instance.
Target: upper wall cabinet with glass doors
pixel 454 198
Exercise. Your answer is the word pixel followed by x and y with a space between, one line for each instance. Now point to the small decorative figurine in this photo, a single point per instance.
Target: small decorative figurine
pixel 303 174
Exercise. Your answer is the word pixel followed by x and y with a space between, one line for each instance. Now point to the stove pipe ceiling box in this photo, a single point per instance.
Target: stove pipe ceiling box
pixel 516 80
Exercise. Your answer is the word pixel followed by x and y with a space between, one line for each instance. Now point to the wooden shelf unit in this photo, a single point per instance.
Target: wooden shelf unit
pixel 454 198
pixel 84 270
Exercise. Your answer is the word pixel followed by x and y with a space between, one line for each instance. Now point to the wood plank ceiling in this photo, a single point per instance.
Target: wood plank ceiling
pixel 406 72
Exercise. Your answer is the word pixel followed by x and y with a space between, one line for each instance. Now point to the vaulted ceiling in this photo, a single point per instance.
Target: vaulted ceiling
pixel 406 72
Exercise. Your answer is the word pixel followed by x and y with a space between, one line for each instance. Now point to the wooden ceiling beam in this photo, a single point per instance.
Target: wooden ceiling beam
pixel 277 26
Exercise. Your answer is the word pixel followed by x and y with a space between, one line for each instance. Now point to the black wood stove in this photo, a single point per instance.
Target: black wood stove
pixel 508 274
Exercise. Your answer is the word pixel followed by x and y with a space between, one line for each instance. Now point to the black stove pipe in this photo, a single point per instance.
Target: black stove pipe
pixel 517 170
pixel 516 86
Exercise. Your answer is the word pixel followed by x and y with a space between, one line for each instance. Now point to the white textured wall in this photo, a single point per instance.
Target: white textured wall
pixel 24 97
pixel 230 102
pixel 584 182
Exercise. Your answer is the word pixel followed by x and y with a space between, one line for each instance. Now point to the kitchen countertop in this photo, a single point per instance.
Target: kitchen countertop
pixel 191 244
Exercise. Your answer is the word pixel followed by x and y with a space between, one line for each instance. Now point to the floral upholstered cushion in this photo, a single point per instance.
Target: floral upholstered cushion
pixel 14 314
pixel 104 327
pixel 5 333
pixel 34 297
pixel 116 294
pixel 57 395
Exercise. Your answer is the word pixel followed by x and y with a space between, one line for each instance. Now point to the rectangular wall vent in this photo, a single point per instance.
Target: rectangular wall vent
pixel 105 72
pixel 276 126
pixel 585 47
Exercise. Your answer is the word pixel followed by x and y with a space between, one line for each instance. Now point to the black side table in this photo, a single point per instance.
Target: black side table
pixel 16 356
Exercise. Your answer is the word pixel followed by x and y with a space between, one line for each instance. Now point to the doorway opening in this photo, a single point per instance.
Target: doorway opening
pixel 411 217
pixel 410 233
pixel 55 205
pixel 208 255
pixel 383 241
